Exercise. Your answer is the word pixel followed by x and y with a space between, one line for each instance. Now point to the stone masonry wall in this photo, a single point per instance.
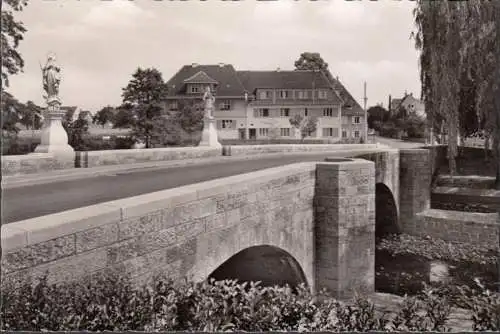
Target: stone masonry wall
pixel 119 157
pixel 458 226
pixel 415 186
pixel 182 232
pixel 386 170
pixel 294 148
pixel 345 227
pixel 34 163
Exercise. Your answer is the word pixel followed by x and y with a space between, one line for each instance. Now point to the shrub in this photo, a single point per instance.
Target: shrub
pixel 111 303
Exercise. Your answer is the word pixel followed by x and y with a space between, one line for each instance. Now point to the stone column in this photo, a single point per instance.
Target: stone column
pixel 344 207
pixel 54 138
pixel 415 176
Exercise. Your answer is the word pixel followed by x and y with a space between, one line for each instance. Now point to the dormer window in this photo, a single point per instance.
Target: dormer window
pixel 322 94
pixel 194 89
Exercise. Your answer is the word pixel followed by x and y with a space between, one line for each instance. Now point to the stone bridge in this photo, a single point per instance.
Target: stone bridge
pixel 311 222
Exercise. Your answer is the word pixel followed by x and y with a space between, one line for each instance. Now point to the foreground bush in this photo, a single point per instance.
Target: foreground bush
pixel 112 304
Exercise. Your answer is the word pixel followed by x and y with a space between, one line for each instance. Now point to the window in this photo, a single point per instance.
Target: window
pixel 264 95
pixel 356 120
pixel 285 112
pixel 344 134
pixel 263 132
pixel 261 112
pixel 302 94
pixel 322 94
pixel 284 94
pixel 227 123
pixel 195 89
pixel 356 134
pixel 285 132
pixel 174 105
pixel 225 105
pixel 328 112
pixel 306 112
pixel 330 132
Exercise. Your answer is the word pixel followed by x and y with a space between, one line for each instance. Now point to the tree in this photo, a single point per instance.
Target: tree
pixel 11 34
pixel 104 116
pixel 31 115
pixel 190 116
pixel 306 125
pixel 377 115
pixel 311 61
pixel 144 95
pixel 10 113
pixel 456 39
pixel 77 130
pixel 124 117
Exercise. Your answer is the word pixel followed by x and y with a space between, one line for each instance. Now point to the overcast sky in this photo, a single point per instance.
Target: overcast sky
pixel 99 44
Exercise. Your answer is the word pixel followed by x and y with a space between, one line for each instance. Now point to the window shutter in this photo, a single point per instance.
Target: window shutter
pixel 219 124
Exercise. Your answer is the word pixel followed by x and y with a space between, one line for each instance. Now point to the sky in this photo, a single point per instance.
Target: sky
pixel 99 44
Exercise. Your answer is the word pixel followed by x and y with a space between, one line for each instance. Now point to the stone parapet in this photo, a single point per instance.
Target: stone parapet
pixel 35 163
pixel 117 157
pixel 295 148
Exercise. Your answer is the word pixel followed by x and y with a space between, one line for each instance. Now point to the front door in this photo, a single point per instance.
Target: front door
pixel 242 134
pixel 252 134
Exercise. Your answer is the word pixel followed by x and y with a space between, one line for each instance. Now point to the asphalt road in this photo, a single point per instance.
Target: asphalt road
pixel 38 200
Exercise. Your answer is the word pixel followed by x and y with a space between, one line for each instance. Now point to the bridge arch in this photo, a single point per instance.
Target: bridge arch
pixel 386 212
pixel 268 264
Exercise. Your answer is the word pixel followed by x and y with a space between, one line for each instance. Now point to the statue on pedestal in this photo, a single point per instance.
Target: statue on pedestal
pixel 51 79
pixel 53 138
pixel 209 102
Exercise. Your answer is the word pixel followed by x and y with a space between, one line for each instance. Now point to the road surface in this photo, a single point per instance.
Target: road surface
pixel 36 200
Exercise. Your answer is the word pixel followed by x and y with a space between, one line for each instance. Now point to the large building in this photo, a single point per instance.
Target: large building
pixel 259 104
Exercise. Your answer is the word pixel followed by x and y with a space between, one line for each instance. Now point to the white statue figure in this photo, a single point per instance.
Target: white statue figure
pixel 51 78
pixel 209 102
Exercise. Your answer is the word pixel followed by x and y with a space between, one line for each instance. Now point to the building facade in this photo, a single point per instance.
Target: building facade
pixel 260 104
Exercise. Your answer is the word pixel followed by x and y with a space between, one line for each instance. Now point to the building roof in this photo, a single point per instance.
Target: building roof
pixel 200 77
pixel 236 83
pixel 225 75
pixel 253 80
pixel 350 106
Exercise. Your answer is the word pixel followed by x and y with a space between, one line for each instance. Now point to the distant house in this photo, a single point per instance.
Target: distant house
pixel 259 104
pixel 74 112
pixel 409 102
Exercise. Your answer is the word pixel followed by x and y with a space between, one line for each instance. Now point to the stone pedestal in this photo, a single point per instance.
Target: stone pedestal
pixel 209 133
pixel 345 227
pixel 54 138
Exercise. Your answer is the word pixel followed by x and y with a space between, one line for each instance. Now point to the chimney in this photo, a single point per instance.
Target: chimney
pixel 221 64
pixel 194 65
pixel 389 105
pixel 278 69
